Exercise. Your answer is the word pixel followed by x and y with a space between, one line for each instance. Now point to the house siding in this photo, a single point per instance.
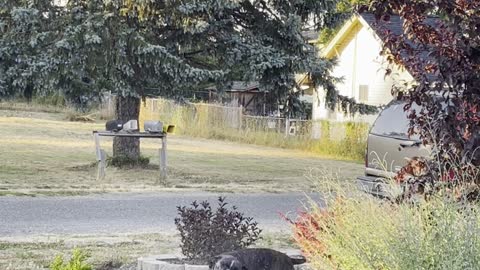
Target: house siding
pixel 360 63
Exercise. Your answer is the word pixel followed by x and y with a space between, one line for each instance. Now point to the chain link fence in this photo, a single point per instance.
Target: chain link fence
pixel 342 140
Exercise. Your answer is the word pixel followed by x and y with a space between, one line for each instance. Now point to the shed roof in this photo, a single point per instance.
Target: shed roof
pixel 241 86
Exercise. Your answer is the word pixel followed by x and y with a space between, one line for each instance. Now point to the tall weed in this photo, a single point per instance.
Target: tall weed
pixel 336 140
pixel 356 231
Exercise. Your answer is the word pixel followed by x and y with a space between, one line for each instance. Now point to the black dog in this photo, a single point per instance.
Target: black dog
pixel 254 259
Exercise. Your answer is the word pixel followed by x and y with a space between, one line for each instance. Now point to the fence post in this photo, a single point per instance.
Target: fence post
pixel 287 125
pixel 240 117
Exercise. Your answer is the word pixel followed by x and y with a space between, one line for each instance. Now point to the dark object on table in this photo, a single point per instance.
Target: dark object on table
pixel 114 125
pixel 254 259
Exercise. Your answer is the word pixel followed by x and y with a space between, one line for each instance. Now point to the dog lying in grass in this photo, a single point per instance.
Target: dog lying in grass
pixel 254 259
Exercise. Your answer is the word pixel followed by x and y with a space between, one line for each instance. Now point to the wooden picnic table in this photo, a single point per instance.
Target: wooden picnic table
pixel 101 154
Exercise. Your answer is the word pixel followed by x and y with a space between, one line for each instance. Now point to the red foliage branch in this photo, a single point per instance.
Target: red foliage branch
pixel 440 47
pixel 306 229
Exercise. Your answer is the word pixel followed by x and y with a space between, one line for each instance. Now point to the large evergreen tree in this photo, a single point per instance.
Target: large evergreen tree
pixel 103 50
pixel 135 48
pixel 27 31
pixel 263 38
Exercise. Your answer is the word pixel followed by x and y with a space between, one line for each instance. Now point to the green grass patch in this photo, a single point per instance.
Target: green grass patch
pixel 32 107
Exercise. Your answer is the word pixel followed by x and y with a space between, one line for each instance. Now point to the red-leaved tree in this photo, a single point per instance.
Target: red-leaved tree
pixel 440 46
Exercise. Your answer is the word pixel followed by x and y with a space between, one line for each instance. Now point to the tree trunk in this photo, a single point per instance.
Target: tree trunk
pixel 126 109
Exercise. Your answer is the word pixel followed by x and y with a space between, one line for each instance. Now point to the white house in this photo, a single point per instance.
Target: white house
pixel 357 47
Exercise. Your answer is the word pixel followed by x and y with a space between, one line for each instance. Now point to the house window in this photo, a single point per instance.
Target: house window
pixel 363 93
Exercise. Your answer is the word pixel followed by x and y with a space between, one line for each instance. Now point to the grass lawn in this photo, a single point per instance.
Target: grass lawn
pixel 43 154
pixel 105 251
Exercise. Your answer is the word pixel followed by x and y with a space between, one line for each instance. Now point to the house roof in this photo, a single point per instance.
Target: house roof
pixel 344 36
pixel 241 86
pixel 380 29
pixel 394 25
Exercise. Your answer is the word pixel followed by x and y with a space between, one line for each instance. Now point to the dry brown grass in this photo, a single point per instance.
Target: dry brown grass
pixel 44 154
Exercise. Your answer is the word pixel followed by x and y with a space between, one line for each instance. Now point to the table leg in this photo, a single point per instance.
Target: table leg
pixel 102 164
pixel 163 160
pixel 101 158
pixel 97 146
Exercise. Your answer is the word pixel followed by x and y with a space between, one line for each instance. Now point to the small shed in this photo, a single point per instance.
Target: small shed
pixel 249 95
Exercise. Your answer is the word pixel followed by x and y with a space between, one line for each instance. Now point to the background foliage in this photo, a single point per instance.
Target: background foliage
pixel 344 10
pixel 443 55
pixel 140 48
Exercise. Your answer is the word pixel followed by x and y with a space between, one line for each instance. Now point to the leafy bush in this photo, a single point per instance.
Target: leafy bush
pixel 452 74
pixel 424 177
pixel 205 233
pixel 306 228
pixel 359 232
pixel 77 262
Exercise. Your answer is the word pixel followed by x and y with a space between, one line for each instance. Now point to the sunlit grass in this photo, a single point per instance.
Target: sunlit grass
pixel 342 141
pixel 44 150
pixel 38 252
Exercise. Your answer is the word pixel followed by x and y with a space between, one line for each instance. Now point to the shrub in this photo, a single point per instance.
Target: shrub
pixel 56 100
pixel 306 227
pixel 423 177
pixel 361 232
pixel 205 233
pixel 125 162
pixel 77 262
